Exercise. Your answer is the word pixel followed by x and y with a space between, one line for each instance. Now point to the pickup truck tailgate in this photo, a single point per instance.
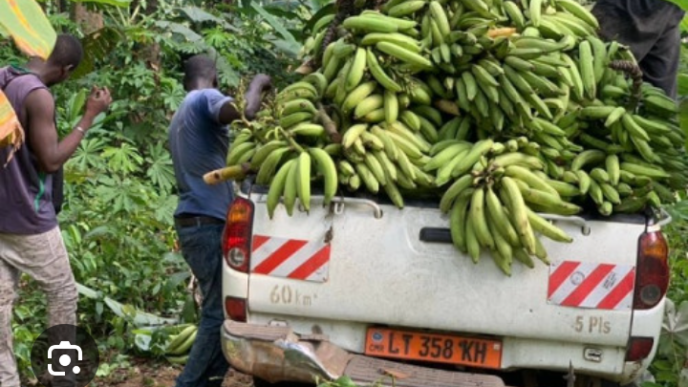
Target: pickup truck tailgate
pixel 353 266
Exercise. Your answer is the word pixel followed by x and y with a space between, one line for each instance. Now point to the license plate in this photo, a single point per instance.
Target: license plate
pixel 434 348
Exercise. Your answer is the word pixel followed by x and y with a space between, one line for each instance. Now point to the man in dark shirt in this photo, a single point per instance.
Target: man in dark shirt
pixel 30 238
pixel 652 30
pixel 199 142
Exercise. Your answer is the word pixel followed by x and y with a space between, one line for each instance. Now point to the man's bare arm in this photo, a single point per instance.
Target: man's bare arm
pixel 229 114
pixel 253 95
pixel 50 154
pixel 40 112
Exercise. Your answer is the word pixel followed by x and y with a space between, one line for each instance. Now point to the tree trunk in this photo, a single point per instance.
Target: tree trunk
pixel 88 20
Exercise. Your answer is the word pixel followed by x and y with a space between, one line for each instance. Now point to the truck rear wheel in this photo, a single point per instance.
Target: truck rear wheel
pixel 257 382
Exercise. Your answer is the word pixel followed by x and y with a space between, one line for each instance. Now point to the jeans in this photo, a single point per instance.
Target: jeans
pixel 202 249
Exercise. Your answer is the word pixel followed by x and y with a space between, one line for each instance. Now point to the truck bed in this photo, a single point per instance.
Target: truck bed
pixel 362 269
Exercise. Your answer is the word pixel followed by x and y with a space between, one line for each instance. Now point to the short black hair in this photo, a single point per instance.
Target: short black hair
pixel 199 67
pixel 67 52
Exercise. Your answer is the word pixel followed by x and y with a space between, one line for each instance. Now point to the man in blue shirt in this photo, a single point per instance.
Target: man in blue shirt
pixel 651 28
pixel 199 141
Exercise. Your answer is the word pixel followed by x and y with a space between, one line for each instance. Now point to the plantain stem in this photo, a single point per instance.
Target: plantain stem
pixel 636 74
pixel 344 9
pixel 293 142
pixel 330 126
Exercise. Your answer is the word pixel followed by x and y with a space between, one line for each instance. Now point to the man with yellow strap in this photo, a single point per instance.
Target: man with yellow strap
pixel 30 238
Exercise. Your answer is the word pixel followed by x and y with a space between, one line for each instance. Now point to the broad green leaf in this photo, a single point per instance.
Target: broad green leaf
pixel 115 3
pixel 28 26
pixel 173 257
pixel 198 15
pixel 683 378
pixel 189 313
pixel 274 23
pixel 140 318
pixel 683 84
pixel 684 24
pixel 97 46
pixel 75 104
pixel 666 377
pixel 288 47
pixel 225 70
pixel 143 341
pixel 177 278
pixel 676 321
pixel 283 10
pixel 683 118
pixel 87 292
pixel 285 6
pixel 125 159
pixel 681 3
pixel 180 29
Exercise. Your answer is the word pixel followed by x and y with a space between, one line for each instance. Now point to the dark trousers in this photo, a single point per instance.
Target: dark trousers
pixel 201 248
pixel 651 28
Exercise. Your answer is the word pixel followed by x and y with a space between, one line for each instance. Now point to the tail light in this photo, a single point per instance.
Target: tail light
pixel 652 278
pixel 639 348
pixel 236 247
pixel 236 308
pixel 237 235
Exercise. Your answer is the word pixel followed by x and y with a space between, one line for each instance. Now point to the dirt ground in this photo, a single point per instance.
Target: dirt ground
pixel 143 373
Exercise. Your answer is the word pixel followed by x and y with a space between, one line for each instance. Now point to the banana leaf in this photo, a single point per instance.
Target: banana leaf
pixel 114 3
pixel 31 31
pixel 681 3
pixel 11 133
pixel 28 26
pixel 138 317
pixel 97 46
pixel 280 28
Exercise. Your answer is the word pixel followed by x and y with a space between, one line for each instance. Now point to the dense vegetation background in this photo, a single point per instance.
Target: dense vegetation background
pixel 120 195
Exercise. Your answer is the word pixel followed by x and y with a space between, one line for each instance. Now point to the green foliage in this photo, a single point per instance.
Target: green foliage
pixel 116 3
pixel 670 367
pixel 681 3
pixel 120 191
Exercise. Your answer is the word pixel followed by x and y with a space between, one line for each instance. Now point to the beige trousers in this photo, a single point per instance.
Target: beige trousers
pixel 44 258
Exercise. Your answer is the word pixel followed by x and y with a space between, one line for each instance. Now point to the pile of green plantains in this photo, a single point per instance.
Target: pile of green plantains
pixel 502 109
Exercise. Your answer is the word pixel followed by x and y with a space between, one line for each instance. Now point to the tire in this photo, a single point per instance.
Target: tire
pixel 645 377
pixel 257 382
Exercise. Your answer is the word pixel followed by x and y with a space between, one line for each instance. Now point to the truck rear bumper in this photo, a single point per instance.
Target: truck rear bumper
pixel 276 354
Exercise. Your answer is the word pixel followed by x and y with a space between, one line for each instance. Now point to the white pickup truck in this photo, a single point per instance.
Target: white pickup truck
pixel 365 290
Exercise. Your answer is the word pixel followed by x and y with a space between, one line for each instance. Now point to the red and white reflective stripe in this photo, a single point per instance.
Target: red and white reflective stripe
pixel 591 285
pixel 290 258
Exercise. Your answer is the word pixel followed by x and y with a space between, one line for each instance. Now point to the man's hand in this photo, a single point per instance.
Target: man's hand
pixel 253 97
pixel 99 101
